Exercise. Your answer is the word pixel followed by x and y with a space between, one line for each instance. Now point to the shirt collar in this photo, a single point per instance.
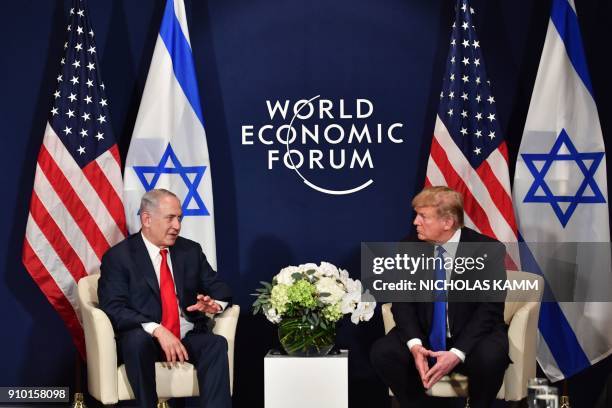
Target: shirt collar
pixel 152 249
pixel 456 237
pixel 451 250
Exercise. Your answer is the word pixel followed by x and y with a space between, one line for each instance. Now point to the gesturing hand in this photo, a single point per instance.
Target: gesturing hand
pixel 420 353
pixel 445 362
pixel 205 304
pixel 172 346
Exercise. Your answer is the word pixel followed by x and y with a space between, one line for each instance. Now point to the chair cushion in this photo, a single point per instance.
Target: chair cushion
pixel 455 385
pixel 173 381
pixel 450 386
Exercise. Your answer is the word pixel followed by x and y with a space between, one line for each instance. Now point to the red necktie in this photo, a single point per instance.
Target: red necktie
pixel 170 316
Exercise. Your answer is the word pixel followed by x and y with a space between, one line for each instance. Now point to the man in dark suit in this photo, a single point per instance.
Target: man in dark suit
pixel 156 288
pixel 432 339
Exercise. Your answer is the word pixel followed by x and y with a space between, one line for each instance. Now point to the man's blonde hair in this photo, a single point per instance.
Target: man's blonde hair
pixel 448 202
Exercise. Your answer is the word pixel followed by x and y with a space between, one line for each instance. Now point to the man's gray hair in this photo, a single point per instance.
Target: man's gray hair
pixel 150 200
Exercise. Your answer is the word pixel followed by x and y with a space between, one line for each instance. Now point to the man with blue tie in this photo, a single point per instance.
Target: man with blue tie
pixel 432 339
pixel 157 287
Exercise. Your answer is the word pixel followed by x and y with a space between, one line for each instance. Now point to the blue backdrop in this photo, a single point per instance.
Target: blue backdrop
pixel 247 52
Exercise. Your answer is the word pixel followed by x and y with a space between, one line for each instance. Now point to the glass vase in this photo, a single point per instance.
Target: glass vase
pixel 300 339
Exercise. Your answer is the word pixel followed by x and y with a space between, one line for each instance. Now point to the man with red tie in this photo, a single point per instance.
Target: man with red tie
pixel 156 287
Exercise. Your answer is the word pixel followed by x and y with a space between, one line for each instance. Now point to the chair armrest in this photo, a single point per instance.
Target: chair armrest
pixel 225 325
pixel 101 349
pixel 387 315
pixel 522 335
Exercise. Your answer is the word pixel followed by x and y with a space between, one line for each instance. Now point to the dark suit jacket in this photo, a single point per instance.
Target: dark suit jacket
pixel 468 321
pixel 128 290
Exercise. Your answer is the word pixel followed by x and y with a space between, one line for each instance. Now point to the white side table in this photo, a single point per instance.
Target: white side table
pixel 306 382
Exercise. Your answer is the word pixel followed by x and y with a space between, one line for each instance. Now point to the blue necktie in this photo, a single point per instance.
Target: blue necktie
pixel 437 336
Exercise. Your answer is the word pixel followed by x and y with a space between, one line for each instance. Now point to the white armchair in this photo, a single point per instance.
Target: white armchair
pixel 522 318
pixel 108 383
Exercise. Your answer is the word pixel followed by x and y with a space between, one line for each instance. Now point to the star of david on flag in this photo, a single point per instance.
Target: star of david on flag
pixel 586 162
pixel 164 167
pixel 168 147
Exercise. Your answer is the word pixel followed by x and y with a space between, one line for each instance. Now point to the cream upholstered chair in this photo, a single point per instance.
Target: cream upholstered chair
pixel 108 383
pixel 522 318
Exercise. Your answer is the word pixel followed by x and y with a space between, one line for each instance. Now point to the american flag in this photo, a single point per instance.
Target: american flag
pixel 76 210
pixel 468 151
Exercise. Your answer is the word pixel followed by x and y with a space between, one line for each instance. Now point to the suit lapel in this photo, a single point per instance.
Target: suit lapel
pixel 462 251
pixel 429 274
pixel 144 264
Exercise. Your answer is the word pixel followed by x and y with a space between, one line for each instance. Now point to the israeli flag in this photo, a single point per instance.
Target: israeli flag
pixel 168 147
pixel 560 192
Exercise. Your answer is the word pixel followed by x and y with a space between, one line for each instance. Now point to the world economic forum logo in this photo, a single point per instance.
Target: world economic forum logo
pixel 323 140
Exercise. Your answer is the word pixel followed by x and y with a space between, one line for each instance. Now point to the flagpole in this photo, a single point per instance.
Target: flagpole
pixel 565 403
pixel 78 399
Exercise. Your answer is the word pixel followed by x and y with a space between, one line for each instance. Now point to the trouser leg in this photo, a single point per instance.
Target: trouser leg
pixel 485 367
pixel 139 351
pixel 208 353
pixel 394 364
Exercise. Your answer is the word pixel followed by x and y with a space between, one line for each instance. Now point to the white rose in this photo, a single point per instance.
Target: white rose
pixel 353 286
pixel 344 276
pixel 272 316
pixel 285 277
pixel 327 269
pixel 308 267
pixel 330 285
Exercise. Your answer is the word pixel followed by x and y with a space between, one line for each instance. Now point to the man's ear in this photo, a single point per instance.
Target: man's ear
pixel 449 223
pixel 145 219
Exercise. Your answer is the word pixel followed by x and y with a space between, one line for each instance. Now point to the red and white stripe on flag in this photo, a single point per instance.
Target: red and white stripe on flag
pixel 486 189
pixel 76 214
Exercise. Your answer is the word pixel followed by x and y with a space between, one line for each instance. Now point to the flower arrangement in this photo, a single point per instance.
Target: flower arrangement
pixel 307 301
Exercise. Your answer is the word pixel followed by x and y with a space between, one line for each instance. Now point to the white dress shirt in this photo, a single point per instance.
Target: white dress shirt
pixel 156 259
pixel 449 253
